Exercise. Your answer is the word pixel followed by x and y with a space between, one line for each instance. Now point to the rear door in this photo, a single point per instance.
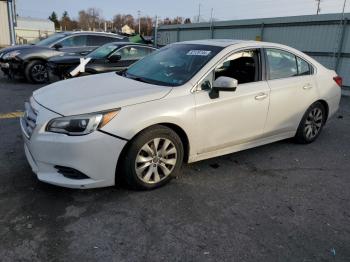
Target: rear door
pixel 293 90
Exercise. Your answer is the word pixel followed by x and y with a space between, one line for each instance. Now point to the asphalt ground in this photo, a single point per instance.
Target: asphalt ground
pixel 279 202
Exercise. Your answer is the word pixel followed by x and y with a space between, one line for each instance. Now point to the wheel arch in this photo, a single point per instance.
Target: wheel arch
pixel 176 128
pixel 34 58
pixel 326 107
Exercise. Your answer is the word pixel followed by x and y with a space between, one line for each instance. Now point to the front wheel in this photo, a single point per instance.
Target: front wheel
pixel 152 158
pixel 311 124
pixel 36 72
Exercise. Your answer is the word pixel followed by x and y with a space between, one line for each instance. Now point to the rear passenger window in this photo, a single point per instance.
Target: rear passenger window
pixel 77 40
pixel 282 64
pixel 98 40
pixel 303 67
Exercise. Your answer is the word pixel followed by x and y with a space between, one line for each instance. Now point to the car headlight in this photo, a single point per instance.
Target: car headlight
pixel 80 125
pixel 11 54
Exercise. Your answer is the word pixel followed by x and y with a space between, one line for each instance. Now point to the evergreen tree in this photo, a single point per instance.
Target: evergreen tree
pixel 53 18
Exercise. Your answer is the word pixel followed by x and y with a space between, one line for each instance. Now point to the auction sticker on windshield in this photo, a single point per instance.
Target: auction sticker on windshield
pixel 198 52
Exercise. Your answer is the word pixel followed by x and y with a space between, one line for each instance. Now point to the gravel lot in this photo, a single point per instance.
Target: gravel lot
pixel 280 202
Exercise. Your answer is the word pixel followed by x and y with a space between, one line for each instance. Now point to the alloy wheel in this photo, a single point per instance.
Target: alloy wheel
pixel 156 160
pixel 313 123
pixel 39 73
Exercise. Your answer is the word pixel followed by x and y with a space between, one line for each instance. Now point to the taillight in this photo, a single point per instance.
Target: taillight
pixel 338 80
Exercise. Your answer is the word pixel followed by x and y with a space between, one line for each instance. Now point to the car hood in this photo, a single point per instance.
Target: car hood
pixel 23 48
pixel 15 47
pixel 96 93
pixel 5 50
pixel 27 51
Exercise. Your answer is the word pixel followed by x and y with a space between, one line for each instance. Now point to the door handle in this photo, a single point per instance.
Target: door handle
pixel 261 96
pixel 307 86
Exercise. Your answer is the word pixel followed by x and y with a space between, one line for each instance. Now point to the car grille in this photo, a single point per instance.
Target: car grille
pixel 28 121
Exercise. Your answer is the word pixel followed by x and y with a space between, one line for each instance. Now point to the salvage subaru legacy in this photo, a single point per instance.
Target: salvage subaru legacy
pixel 187 102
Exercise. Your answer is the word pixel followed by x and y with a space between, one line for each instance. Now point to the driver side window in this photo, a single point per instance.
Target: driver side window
pixel 242 66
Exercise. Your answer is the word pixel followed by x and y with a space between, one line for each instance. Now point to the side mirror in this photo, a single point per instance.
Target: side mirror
pixel 223 83
pixel 114 58
pixel 57 46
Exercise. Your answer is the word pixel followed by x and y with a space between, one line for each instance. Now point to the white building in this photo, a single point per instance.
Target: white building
pixel 7 21
pixel 127 30
pixel 30 30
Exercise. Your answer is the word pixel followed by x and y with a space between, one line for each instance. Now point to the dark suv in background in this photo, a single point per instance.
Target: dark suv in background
pixel 30 60
pixel 115 56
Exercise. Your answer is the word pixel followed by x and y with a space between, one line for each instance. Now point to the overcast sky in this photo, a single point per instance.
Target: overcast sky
pixel 223 9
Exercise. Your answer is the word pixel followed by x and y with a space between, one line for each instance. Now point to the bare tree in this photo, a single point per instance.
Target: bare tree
pixel 167 21
pixel 91 19
pixel 120 20
pixel 130 21
pixel 177 20
pixel 83 21
pixel 146 25
pixel 187 21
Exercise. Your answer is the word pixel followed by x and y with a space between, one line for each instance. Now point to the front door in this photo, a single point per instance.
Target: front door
pixel 234 117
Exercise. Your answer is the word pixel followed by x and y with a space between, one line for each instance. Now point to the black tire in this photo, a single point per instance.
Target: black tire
pixel 36 72
pixel 310 126
pixel 135 149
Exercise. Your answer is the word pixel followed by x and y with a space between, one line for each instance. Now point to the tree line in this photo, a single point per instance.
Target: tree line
pixel 91 19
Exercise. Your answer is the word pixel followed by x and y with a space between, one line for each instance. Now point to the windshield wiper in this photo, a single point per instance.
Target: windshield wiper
pixel 122 72
pixel 137 78
pixel 141 79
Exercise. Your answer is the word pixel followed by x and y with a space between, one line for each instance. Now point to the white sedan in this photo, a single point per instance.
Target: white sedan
pixel 187 102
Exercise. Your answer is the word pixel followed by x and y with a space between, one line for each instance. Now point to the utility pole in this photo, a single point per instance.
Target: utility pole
pixel 11 19
pixel 199 12
pixel 342 27
pixel 156 32
pixel 343 13
pixel 211 23
pixel 139 15
pixel 318 6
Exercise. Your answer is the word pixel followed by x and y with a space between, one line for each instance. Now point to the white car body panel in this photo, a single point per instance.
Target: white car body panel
pixel 97 93
pixel 289 95
pixel 235 121
pixel 227 112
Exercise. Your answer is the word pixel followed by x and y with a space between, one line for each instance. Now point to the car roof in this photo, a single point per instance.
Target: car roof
pixel 129 43
pixel 229 42
pixel 93 33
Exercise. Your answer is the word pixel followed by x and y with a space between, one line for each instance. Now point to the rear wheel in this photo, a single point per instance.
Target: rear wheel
pixel 152 158
pixel 311 124
pixel 36 72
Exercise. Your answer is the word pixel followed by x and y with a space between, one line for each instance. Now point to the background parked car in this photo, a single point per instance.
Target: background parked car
pixel 30 60
pixel 114 56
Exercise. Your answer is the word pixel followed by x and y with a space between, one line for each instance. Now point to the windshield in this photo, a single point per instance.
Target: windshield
pixel 50 40
pixel 172 65
pixel 103 51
